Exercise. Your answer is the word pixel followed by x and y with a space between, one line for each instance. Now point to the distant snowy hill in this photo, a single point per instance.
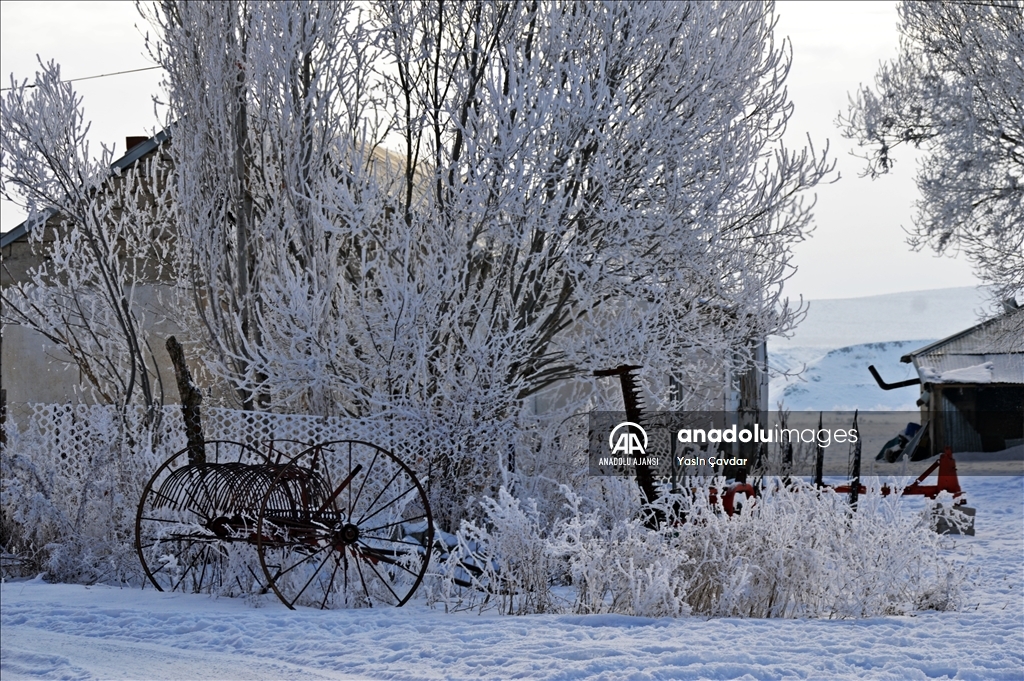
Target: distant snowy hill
pixel 841 337
pixel 838 380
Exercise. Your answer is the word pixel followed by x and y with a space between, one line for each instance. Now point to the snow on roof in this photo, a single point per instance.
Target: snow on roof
pixel 979 373
pixel 991 352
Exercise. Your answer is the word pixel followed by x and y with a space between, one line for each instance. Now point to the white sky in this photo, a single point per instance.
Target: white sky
pixel 858 248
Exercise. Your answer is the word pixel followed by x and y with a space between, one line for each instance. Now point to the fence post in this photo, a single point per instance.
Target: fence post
pixel 3 418
pixel 855 469
pixel 819 456
pixel 190 401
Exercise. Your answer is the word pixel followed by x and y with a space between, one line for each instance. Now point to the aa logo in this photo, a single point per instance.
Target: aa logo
pixel 627 442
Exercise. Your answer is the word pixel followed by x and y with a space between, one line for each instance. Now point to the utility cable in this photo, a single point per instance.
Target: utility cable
pixel 102 75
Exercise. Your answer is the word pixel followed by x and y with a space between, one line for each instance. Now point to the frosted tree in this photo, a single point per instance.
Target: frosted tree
pixel 956 90
pixel 91 229
pixel 435 211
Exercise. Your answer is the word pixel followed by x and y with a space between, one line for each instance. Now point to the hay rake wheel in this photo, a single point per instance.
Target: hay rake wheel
pixel 191 523
pixel 344 524
pixel 341 524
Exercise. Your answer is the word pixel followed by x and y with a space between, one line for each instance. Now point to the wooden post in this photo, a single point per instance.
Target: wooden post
pixel 819 456
pixel 3 391
pixel 3 418
pixel 855 471
pixel 787 459
pixel 190 401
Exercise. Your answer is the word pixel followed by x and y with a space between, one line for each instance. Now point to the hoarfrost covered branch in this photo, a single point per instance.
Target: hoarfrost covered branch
pixel 956 90
pixel 91 222
pixel 437 211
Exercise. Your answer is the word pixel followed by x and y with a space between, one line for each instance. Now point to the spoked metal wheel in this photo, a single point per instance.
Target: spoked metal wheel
pixel 345 524
pixel 194 529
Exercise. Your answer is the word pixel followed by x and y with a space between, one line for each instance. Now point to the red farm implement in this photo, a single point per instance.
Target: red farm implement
pixel 955 520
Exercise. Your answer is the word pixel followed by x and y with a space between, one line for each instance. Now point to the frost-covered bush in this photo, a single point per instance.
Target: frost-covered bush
pixel 801 552
pixel 69 485
pixel 796 552
pixel 502 563
pixel 619 566
pixel 72 477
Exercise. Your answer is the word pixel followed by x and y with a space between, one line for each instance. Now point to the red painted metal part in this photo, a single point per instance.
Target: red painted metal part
pixel 728 503
pixel 728 500
pixel 948 481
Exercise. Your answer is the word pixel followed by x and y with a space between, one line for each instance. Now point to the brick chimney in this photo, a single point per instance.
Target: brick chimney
pixel 133 141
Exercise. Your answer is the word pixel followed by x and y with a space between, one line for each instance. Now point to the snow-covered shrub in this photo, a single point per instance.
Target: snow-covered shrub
pixel 69 485
pixel 72 477
pixel 503 562
pixel 518 550
pixel 620 566
pixel 796 552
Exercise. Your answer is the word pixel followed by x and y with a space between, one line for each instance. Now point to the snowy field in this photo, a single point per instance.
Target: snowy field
pixel 839 338
pixel 937 313
pixel 59 631
pixel 839 380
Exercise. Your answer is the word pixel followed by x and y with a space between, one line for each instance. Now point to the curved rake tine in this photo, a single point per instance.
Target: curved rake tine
pixel 159 493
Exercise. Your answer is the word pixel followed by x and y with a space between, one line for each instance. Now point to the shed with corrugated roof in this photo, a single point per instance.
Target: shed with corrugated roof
pixel 972 386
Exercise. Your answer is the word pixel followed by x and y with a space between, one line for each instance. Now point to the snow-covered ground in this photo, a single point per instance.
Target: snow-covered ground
pixel 820 379
pixel 61 631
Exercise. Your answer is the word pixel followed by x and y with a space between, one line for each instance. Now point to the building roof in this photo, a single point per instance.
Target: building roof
pixel 129 158
pixel 991 352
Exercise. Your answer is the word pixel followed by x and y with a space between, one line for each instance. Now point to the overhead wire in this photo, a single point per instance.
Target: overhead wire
pixel 102 75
